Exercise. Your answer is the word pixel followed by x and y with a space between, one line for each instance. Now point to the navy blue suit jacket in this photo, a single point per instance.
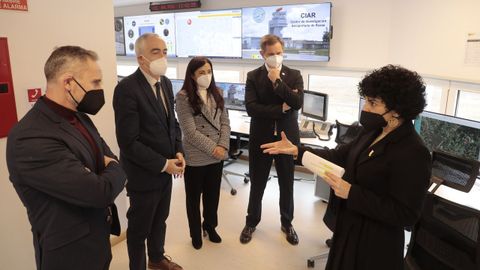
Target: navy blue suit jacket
pixel 146 136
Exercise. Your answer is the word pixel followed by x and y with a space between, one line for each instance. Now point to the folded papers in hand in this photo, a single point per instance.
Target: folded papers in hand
pixel 320 166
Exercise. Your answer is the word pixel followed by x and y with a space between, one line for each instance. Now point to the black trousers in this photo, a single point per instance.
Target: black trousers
pixel 146 220
pixel 202 181
pixel 259 167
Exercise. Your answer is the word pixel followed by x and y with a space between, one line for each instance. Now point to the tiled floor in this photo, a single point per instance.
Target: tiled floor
pixel 267 250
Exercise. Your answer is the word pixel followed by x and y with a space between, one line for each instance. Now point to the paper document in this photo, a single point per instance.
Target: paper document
pixel 320 166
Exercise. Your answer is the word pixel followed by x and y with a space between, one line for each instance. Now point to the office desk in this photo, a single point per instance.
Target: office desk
pixel 240 125
pixel 470 199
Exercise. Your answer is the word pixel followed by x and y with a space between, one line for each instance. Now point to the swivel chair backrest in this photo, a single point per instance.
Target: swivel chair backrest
pixel 446 237
pixel 346 133
pixel 454 171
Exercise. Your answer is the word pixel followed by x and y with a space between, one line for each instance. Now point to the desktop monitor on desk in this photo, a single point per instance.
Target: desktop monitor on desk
pixel 449 134
pixel 234 95
pixel 315 105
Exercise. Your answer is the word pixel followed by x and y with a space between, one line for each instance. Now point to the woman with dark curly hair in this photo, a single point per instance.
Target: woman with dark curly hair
pixel 387 172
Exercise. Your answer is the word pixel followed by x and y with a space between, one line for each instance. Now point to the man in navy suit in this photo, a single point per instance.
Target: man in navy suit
pixel 150 151
pixel 273 96
pixel 62 170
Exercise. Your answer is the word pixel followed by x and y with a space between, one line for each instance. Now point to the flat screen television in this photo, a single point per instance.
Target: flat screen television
pixel 315 105
pixel 209 33
pixel 234 95
pixel 305 30
pixel 449 134
pixel 119 36
pixel 163 24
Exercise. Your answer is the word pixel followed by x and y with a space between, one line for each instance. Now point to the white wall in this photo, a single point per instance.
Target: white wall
pixel 31 37
pixel 430 36
pixel 427 36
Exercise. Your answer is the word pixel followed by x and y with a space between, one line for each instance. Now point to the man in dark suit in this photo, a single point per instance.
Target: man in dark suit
pixel 273 96
pixel 63 172
pixel 150 151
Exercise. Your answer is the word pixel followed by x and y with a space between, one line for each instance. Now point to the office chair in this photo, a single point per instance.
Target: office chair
pixel 233 154
pixel 446 237
pixel 447 234
pixel 453 171
pixel 345 134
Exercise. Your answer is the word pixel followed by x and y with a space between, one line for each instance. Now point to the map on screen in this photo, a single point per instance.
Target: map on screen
pixel 163 24
pixel 449 134
pixel 209 33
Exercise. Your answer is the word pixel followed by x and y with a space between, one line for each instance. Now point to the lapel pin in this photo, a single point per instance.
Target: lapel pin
pixel 371 153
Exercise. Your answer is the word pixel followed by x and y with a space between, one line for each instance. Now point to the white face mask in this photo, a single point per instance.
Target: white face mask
pixel 158 67
pixel 274 61
pixel 204 81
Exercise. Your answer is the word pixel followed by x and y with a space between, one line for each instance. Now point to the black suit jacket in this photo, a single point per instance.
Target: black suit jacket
pixel 55 174
pixel 264 104
pixel 146 136
pixel 389 183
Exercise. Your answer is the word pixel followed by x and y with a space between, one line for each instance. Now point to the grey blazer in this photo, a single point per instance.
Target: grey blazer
pixel 199 136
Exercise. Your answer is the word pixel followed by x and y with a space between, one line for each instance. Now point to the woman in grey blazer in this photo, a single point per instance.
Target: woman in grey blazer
pixel 205 126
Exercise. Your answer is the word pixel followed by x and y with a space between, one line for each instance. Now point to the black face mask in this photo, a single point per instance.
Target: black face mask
pixel 92 102
pixel 372 121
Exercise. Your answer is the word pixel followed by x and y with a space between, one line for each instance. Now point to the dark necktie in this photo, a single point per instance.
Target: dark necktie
pixel 160 98
pixel 83 130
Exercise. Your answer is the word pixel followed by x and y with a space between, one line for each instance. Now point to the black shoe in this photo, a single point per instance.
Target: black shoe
pixel 212 235
pixel 197 242
pixel 292 236
pixel 246 234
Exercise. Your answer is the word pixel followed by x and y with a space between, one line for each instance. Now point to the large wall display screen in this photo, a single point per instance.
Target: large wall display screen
pixel 209 33
pixel 305 30
pixel 119 36
pixel 163 24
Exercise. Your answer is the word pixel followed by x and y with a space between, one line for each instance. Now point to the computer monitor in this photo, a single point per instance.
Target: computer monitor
pixel 162 24
pixel 304 28
pixel 450 134
pixel 176 85
pixel 119 36
pixel 195 31
pixel 315 105
pixel 360 106
pixel 234 95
